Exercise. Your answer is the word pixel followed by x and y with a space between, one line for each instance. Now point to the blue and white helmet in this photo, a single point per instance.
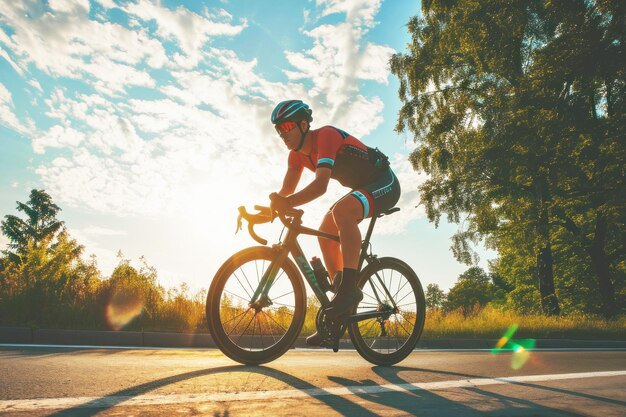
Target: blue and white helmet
pixel 291 111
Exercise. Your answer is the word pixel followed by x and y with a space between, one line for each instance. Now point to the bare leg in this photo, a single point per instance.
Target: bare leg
pixel 347 213
pixel 331 250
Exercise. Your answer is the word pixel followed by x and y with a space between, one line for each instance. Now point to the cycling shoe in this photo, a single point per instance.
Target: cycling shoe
pixel 343 302
pixel 315 339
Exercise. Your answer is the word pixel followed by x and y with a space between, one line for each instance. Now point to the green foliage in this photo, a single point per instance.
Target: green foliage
pixel 50 285
pixel 45 282
pixel 435 296
pixel 518 112
pixel 472 290
pixel 37 229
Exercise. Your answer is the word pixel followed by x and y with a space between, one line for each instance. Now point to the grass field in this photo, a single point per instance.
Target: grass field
pixel 492 323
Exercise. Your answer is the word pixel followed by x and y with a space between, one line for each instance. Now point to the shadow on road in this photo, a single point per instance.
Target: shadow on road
pixel 513 405
pixel 95 407
pixel 418 403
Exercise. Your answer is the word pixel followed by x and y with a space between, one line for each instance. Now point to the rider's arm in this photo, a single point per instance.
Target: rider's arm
pixel 316 188
pixel 292 178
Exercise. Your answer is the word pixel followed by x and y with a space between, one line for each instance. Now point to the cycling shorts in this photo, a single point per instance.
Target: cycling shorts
pixel 378 196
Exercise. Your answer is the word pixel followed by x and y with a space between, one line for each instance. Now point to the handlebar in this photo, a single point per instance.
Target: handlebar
pixel 265 215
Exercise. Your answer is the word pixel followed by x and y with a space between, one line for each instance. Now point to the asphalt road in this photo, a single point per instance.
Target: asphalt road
pixel 40 381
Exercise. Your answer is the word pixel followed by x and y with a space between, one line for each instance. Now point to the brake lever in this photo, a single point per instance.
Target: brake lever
pixel 238 223
pixel 241 210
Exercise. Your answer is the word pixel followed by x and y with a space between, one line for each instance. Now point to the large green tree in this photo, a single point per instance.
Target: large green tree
pixel 518 128
pixel 39 226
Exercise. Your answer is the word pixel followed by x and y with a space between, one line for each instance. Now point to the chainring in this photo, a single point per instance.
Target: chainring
pixel 330 330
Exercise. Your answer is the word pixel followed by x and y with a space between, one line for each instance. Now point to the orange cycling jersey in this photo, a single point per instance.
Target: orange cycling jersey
pixel 353 164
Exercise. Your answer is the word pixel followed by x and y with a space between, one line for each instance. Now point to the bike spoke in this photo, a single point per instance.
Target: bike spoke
pixel 240 320
pixel 235 317
pixel 407 304
pixel 285 305
pixel 247 280
pixel 400 289
pixel 238 296
pixel 269 324
pixel 405 296
pixel 277 323
pixel 404 328
pixel 241 285
pixel 280 296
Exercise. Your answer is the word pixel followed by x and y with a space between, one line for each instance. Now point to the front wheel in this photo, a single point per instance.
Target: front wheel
pixel 261 332
pixel 390 287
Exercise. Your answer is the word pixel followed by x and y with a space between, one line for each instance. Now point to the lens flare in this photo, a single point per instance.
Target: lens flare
pixel 123 307
pixel 504 340
pixel 521 353
pixel 521 348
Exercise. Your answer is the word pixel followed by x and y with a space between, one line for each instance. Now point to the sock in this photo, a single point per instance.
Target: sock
pixel 349 278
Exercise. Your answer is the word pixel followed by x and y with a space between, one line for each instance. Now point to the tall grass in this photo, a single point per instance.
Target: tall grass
pixel 491 323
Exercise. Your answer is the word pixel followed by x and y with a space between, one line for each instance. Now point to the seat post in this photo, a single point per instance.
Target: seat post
pixel 366 241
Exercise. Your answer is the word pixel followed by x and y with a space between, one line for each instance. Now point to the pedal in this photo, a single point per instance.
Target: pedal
pixel 332 330
pixel 337 336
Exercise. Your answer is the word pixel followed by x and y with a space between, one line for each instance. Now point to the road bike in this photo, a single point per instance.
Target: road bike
pixel 256 303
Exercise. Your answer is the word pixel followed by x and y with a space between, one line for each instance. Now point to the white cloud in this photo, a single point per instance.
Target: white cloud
pixel 69 6
pixel 64 42
pixel 35 84
pixel 190 30
pixel 410 208
pixel 176 155
pixel 336 62
pixel 374 63
pixel 102 231
pixel 7 115
pixel 58 137
pixel 362 12
pixel 7 58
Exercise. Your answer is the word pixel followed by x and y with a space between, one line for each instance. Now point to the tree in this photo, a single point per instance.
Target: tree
pixel 515 109
pixel 38 228
pixel 473 288
pixel 435 297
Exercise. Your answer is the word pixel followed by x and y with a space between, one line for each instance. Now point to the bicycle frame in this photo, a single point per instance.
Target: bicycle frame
pixel 291 246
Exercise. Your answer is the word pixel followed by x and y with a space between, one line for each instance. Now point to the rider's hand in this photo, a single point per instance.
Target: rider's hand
pixel 279 203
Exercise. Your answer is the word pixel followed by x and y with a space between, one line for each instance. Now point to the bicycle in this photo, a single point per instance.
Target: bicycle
pixel 256 303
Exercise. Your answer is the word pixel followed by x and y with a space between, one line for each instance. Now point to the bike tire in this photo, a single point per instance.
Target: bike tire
pixel 228 301
pixel 400 333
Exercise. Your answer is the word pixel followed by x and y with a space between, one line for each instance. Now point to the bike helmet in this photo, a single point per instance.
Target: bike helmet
pixel 291 111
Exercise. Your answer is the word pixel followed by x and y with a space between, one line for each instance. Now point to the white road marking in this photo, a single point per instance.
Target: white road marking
pixel 152 400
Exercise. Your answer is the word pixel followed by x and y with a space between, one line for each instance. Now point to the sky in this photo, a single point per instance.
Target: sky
pixel 148 122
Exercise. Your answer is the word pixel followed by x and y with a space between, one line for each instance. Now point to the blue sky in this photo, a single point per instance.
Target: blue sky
pixel 148 121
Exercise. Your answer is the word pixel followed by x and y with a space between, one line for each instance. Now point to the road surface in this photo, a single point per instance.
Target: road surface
pixel 56 381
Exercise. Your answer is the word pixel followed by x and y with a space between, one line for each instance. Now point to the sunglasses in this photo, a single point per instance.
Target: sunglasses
pixel 285 127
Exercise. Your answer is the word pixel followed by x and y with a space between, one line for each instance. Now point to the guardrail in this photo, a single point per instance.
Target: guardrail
pixel 30 336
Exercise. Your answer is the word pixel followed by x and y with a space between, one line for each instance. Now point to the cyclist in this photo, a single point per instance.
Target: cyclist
pixel 332 153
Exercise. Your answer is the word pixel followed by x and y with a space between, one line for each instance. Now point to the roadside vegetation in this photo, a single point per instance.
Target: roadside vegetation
pixel 45 282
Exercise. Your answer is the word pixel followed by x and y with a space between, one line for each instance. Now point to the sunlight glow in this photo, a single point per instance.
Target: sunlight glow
pixel 122 309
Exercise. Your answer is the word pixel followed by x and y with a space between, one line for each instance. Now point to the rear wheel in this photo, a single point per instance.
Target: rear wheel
pixel 389 286
pixel 259 333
